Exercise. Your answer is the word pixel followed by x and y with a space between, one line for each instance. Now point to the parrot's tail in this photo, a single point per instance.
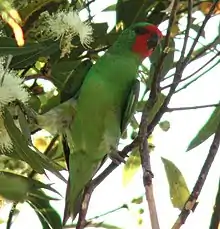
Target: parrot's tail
pixel 71 211
pixel 82 168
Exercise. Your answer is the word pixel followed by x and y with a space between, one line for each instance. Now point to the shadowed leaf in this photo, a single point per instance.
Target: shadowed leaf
pixel 19 188
pixel 48 217
pixel 38 161
pixel 207 130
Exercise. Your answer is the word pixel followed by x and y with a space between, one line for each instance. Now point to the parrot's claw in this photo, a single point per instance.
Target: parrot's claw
pixel 116 157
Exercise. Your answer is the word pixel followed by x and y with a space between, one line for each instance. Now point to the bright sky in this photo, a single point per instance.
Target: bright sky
pixel 171 145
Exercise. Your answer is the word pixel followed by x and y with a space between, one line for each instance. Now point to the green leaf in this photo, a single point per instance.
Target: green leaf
pixel 130 11
pixel 41 49
pixel 138 200
pixel 207 130
pixel 68 76
pixel 13 187
pixel 110 8
pixel 34 102
pixel 101 36
pixel 9 46
pixel 18 188
pixel 131 167
pixel 168 61
pixel 35 159
pixel 49 218
pixel 62 71
pixel 179 191
pixel 32 7
pixel 165 125
pixel 75 81
pixel 24 126
pixel 160 99
pixel 48 101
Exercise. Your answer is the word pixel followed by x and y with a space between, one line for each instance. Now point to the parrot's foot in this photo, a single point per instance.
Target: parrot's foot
pixel 116 157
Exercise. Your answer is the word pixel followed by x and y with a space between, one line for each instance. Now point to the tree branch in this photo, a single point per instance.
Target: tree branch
pixel 196 78
pixel 216 213
pixel 189 22
pixel 192 108
pixel 198 70
pixel 200 32
pixel 96 181
pixel 146 166
pixel 143 130
pixel 191 202
pixel 181 64
pixel 199 53
pixel 157 73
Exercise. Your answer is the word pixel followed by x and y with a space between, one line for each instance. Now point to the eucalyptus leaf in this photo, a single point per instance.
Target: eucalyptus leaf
pixel 168 60
pixel 49 218
pixel 179 191
pixel 42 49
pixel 130 11
pixel 159 101
pixel 38 161
pixel 8 46
pixel 207 130
pixel 19 188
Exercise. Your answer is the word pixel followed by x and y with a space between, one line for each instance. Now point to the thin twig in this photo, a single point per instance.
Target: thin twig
pixel 85 223
pixel 189 22
pixel 93 225
pixel 196 78
pixel 192 108
pixel 200 31
pixel 95 182
pixel 191 75
pixel 191 202
pixel 11 214
pixel 109 212
pixel 197 55
pixel 158 68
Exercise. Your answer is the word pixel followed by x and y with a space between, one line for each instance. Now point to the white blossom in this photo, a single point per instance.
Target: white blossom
pixel 65 25
pixel 11 89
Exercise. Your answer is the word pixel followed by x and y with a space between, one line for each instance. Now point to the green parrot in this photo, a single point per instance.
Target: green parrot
pixel 104 107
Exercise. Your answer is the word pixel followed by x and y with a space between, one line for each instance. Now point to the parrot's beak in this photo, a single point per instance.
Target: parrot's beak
pixel 153 41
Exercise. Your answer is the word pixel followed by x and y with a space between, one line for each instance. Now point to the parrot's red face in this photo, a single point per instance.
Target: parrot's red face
pixel 147 38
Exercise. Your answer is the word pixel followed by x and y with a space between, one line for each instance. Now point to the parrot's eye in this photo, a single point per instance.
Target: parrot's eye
pixel 140 30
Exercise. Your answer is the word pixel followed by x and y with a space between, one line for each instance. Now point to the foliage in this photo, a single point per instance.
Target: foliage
pixel 42 57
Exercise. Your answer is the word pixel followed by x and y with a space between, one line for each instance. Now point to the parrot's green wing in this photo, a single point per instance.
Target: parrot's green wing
pixel 130 105
pixel 74 82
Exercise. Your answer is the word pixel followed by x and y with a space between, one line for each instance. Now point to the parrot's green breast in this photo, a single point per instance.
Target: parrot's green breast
pixel 96 127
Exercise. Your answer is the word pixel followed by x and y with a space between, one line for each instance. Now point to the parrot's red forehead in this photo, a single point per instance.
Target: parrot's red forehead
pixel 146 40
